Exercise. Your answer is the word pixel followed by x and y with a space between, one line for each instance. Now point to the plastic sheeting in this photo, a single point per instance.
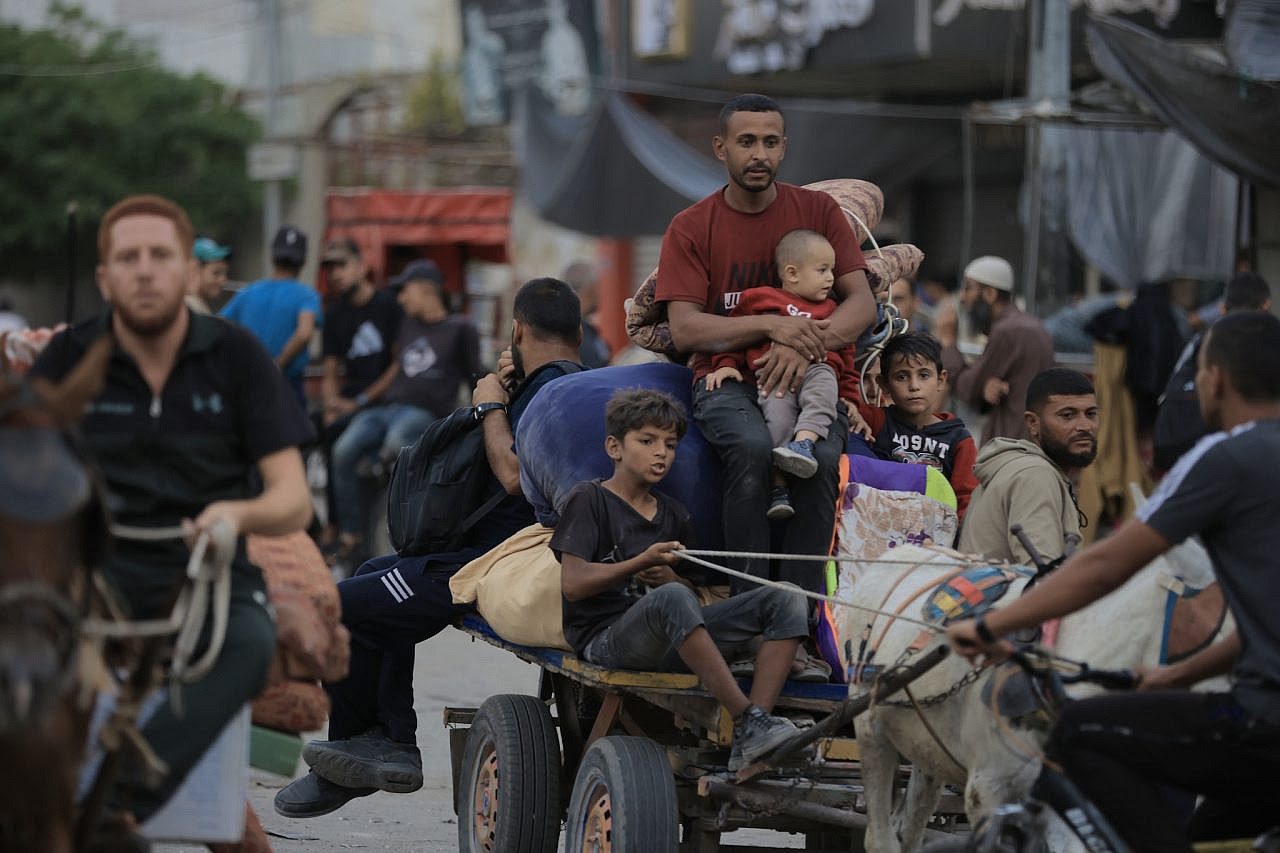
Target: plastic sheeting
pixel 615 172
pixel 619 172
pixel 1146 206
pixel 1232 119
pixel 1252 38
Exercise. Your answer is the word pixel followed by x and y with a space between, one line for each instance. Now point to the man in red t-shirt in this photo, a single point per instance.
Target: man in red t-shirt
pixel 713 251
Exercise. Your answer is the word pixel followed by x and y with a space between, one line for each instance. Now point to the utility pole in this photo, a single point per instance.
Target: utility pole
pixel 274 43
pixel 1046 262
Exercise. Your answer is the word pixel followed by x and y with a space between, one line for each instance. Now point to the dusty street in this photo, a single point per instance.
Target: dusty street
pixel 453 670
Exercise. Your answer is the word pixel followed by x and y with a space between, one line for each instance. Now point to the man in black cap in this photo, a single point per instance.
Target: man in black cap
pixel 360 330
pixel 281 311
pixel 438 354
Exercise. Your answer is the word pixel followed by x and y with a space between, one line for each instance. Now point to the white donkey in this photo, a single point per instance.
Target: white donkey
pixel 969 747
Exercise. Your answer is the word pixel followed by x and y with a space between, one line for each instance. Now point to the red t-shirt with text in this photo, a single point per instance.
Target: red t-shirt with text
pixel 775 300
pixel 711 252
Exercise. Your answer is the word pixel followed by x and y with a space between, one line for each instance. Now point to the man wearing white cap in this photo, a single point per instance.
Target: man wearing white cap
pixel 1018 348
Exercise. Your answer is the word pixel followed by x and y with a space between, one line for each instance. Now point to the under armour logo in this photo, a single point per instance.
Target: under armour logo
pixel 212 403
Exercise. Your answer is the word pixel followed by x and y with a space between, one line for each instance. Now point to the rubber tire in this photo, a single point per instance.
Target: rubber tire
pixel 642 792
pixel 522 734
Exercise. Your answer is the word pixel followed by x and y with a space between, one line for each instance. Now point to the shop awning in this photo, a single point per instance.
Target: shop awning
pixel 380 219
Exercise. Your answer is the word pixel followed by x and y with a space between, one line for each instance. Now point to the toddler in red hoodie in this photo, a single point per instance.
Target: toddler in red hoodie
pixel 912 430
pixel 806 267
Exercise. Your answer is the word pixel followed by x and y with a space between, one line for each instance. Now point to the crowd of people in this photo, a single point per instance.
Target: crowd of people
pixel 765 288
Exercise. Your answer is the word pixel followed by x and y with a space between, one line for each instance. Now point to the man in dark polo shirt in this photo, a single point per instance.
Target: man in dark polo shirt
pixel 191 410
pixel 1123 749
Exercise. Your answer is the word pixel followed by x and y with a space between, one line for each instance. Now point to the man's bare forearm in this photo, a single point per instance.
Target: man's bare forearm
pixel 1082 579
pixel 291 349
pixel 285 502
pixel 1217 659
pixel 855 313
pixel 497 449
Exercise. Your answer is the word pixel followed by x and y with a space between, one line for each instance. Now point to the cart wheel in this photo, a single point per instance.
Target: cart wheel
pixel 509 797
pixel 624 800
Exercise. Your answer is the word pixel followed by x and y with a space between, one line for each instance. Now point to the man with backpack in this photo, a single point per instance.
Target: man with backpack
pixel 395 602
pixel 1178 423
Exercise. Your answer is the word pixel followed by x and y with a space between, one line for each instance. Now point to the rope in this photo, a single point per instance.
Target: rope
pixel 147 534
pixel 765 555
pixel 786 587
pixel 207 589
pixel 928 727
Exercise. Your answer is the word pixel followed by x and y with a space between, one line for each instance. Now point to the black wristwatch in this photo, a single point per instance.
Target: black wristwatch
pixel 479 411
pixel 981 628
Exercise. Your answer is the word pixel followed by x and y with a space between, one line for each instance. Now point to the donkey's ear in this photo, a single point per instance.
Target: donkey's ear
pixel 68 399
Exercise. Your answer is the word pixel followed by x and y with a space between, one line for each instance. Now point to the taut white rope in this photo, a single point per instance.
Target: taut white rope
pixel 816 596
pixel 813 558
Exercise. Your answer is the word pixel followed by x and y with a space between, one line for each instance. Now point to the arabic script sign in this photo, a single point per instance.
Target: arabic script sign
pixel 1163 11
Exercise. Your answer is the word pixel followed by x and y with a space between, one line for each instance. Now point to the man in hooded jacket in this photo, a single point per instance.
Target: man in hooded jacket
pixel 1028 482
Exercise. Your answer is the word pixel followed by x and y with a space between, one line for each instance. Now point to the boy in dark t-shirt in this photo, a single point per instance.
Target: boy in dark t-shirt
pixel 912 429
pixel 626 608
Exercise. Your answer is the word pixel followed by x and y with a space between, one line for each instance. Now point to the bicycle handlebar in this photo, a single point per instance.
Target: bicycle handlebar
pixel 1112 679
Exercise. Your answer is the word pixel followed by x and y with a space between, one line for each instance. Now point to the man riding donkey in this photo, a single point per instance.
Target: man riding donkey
pixel 192 410
pixel 1125 751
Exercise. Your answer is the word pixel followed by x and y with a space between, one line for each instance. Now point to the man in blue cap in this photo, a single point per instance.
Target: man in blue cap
pixel 281 311
pixel 438 354
pixel 205 289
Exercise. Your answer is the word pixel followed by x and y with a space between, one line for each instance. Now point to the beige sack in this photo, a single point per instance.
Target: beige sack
pixel 516 588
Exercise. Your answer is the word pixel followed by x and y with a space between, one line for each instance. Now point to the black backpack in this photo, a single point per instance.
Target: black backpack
pixel 436 493
pixel 1179 424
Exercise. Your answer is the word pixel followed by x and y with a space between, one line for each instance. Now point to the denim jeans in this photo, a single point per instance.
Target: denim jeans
pixel 382 430
pixel 647 635
pixel 731 420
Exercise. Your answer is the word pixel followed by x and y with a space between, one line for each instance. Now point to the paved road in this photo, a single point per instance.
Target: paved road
pixel 452 669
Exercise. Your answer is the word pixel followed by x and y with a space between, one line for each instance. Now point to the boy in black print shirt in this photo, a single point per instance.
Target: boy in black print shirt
pixel 626 608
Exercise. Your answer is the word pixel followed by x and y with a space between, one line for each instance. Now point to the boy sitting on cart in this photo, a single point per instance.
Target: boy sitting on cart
pixel 626 608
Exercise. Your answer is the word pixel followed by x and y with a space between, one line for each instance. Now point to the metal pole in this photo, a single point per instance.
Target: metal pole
pixel 966 155
pixel 1031 237
pixel 1048 78
pixel 271 196
pixel 73 208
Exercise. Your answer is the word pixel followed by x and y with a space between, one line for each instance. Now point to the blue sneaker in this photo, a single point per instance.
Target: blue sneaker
pixel 780 508
pixel 796 459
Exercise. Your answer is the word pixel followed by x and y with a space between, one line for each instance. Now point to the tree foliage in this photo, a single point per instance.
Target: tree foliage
pixel 90 115
pixel 435 105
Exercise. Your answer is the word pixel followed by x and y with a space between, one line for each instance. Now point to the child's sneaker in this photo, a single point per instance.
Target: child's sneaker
pixel 796 459
pixel 780 508
pixel 755 735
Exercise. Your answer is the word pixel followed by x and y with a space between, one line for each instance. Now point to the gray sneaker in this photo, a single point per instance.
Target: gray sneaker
pixel 755 735
pixel 370 760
